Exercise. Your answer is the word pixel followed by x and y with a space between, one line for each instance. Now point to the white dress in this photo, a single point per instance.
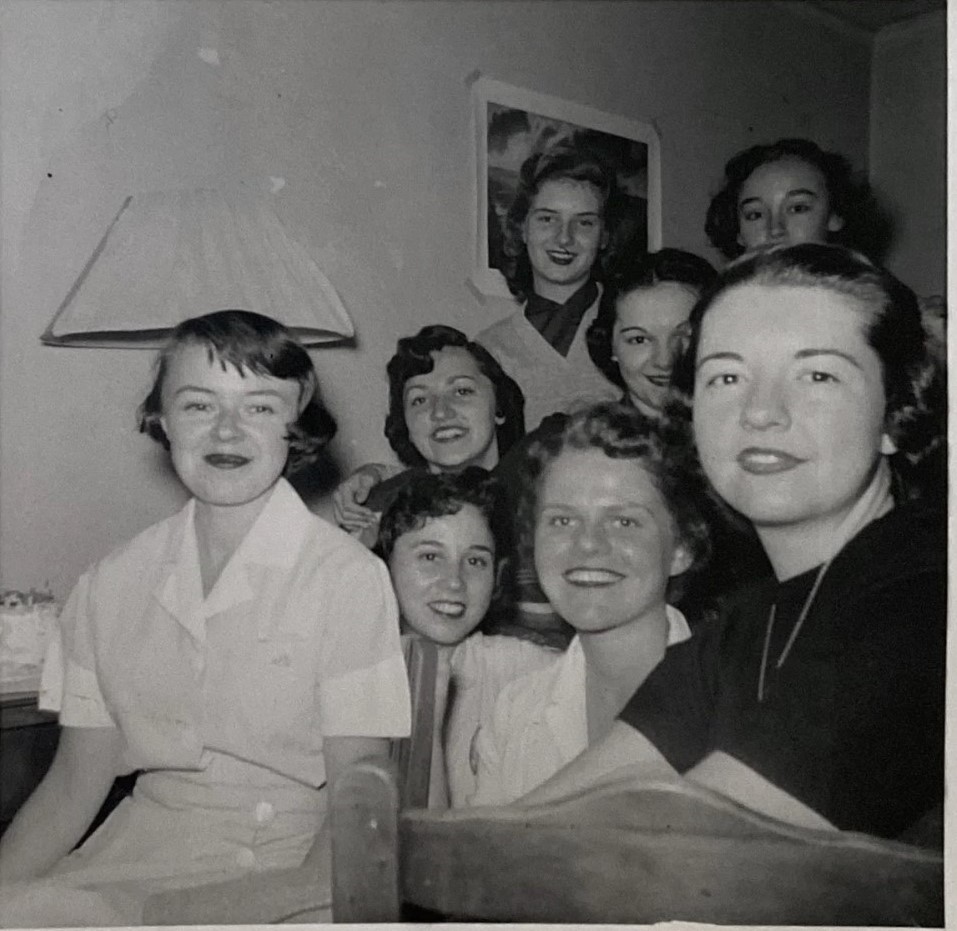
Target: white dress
pixel 222 701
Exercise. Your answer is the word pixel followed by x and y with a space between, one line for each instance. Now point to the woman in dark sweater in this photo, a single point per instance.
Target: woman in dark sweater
pixel 820 697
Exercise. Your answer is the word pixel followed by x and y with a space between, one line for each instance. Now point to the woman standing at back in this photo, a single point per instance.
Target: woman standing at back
pixel 559 237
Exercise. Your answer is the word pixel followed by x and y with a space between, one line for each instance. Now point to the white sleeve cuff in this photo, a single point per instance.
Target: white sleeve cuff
pixel 82 704
pixel 370 702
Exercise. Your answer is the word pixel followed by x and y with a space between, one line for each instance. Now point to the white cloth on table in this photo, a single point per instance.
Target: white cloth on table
pixel 539 724
pixel 224 700
pixel 550 381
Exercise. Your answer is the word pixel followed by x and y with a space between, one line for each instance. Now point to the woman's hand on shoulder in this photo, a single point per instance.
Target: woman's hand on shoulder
pixel 349 498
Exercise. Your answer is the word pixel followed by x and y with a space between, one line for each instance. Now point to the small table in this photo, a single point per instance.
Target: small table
pixel 28 741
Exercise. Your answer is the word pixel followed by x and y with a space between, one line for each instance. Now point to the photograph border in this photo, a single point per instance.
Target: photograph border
pixel 488 281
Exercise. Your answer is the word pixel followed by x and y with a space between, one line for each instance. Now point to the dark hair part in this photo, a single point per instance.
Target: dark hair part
pixel 429 495
pixel 666 265
pixel 248 340
pixel 561 162
pixel 915 414
pixel 415 355
pixel 846 193
pixel 662 447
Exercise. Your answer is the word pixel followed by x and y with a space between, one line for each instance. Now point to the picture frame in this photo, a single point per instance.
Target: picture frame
pixel 510 123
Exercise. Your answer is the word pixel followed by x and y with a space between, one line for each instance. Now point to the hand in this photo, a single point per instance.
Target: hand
pixel 348 498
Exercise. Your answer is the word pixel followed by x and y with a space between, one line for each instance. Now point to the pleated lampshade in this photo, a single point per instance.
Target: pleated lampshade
pixel 167 256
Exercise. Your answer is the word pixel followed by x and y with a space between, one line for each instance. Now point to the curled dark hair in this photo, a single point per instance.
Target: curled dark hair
pixel 660 446
pixel 846 193
pixel 415 355
pixel 248 340
pixel 561 162
pixel 429 495
pixel 915 412
pixel 675 265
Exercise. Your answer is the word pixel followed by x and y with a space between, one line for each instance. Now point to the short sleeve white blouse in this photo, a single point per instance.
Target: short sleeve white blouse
pixel 297 640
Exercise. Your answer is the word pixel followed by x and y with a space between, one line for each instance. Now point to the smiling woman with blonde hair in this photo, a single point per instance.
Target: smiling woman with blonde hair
pixel 239 654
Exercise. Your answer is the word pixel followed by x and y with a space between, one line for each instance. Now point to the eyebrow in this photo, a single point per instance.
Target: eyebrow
pixel 441 545
pixel 411 385
pixel 846 356
pixel 733 356
pixel 800 354
pixel 612 508
pixel 258 392
pixel 583 213
pixel 798 190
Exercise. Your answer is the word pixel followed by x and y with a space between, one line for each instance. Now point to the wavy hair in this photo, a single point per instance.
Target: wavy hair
pixel 561 162
pixel 846 193
pixel 914 387
pixel 415 355
pixel 660 446
pixel 248 341
pixel 666 265
pixel 429 495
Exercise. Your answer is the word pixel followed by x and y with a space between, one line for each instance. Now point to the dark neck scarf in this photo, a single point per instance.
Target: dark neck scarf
pixel 558 323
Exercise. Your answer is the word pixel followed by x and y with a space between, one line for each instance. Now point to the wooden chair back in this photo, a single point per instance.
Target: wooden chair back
pixel 625 852
pixel 412 755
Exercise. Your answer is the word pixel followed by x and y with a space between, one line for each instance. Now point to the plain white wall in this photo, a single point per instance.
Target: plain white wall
pixel 363 109
pixel 908 151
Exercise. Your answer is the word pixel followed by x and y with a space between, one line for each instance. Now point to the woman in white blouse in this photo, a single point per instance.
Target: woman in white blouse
pixel 239 653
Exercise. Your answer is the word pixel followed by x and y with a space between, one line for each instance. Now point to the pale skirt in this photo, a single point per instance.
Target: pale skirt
pixel 179 829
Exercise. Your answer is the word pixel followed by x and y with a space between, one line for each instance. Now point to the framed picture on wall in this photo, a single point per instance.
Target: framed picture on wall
pixel 511 123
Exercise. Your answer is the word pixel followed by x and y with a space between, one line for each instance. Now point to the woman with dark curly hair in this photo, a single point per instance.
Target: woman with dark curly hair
pixel 792 191
pixel 820 699
pixel 789 191
pixel 446 540
pixel 240 654
pixel 642 322
pixel 450 406
pixel 610 508
pixel 560 238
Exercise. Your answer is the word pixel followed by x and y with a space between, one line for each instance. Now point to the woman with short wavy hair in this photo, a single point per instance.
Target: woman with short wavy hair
pixel 561 235
pixel 611 508
pixel 239 654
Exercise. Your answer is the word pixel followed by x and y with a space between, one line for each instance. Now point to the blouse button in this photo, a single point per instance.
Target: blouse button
pixel 264 813
pixel 245 858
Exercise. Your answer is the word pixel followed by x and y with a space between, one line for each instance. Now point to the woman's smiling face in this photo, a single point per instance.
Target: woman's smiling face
pixel 450 413
pixel 605 541
pixel 651 324
pixel 444 573
pixel 789 403
pixel 563 234
pixel 227 430
pixel 785 201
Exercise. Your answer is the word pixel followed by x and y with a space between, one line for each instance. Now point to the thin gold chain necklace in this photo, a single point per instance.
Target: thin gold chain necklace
pixel 795 630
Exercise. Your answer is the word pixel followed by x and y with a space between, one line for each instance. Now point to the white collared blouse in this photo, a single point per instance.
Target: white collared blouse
pixel 540 724
pixel 298 639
